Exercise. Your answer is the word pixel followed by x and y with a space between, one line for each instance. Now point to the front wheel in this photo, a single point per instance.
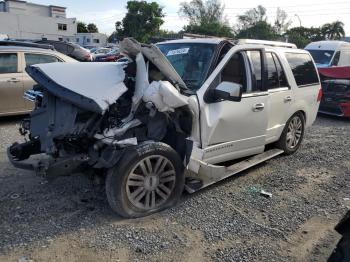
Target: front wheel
pixel 293 134
pixel 149 178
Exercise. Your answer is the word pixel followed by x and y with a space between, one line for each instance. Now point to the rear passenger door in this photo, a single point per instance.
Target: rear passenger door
pixel 11 86
pixel 280 97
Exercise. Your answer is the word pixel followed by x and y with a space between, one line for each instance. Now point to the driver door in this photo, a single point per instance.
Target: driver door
pixel 232 130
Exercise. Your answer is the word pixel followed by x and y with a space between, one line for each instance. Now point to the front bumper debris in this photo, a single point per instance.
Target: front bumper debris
pixel 49 167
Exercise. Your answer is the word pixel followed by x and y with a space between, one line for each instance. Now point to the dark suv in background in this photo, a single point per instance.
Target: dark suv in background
pixel 70 49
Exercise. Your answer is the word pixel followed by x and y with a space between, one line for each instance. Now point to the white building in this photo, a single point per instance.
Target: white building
pixel 91 39
pixel 23 20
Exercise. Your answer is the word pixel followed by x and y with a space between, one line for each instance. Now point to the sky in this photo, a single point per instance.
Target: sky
pixel 104 13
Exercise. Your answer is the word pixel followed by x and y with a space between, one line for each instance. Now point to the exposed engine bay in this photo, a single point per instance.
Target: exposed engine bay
pixel 87 114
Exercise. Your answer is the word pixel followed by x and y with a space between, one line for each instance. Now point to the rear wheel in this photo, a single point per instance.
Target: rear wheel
pixel 148 178
pixel 293 134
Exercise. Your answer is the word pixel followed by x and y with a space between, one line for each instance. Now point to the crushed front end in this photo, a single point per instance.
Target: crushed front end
pixel 87 114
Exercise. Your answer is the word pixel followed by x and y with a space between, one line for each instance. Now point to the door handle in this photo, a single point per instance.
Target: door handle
pixel 13 80
pixel 287 99
pixel 258 107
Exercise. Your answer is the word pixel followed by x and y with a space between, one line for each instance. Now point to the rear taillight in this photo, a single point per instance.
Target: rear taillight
pixel 319 96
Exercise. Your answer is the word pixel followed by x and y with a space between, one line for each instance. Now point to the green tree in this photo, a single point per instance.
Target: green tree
pixel 333 31
pixel 205 18
pixel 82 27
pixel 251 18
pixel 301 36
pixel 142 21
pixel 260 30
pixel 281 22
pixel 92 28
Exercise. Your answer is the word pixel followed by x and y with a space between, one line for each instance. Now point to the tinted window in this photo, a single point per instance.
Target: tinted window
pixel 303 69
pixel 282 79
pixel 8 63
pixel 322 56
pixel 276 75
pixel 32 59
pixel 191 61
pixel 256 66
pixel 336 58
pixel 61 47
pixel 234 71
pixel 272 72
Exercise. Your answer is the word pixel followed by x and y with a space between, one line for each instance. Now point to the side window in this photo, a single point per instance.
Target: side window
pixel 32 59
pixel 272 75
pixel 276 75
pixel 256 69
pixel 8 63
pixel 282 79
pixel 61 47
pixel 344 59
pixel 303 69
pixel 336 58
pixel 234 71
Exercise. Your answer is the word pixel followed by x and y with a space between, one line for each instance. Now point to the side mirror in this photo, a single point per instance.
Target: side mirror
pixel 228 91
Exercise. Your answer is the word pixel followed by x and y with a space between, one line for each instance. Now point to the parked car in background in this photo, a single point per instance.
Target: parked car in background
pixel 336 91
pixel 330 53
pixel 14 80
pixel 101 50
pixel 125 60
pixel 190 103
pixel 111 56
pixel 70 49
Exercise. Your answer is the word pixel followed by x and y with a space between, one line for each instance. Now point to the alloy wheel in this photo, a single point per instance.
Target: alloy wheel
pixel 295 130
pixel 151 182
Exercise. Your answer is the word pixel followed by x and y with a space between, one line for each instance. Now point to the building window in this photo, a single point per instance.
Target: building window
pixel 88 40
pixel 62 27
pixel 77 40
pixel 96 41
pixel 67 39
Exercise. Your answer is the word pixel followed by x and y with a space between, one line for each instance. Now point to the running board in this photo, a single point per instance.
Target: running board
pixel 210 174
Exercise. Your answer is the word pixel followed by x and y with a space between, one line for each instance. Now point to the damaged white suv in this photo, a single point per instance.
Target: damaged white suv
pixel 164 121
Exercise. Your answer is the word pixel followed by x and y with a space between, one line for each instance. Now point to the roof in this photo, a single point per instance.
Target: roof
pixel 24 48
pixel 9 48
pixel 265 43
pixel 25 43
pixel 195 40
pixel 327 45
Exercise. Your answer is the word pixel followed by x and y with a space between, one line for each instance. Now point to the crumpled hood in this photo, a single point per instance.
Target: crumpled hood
pixel 92 86
pixel 132 47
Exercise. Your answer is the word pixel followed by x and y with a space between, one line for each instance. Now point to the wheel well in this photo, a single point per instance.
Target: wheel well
pixel 303 113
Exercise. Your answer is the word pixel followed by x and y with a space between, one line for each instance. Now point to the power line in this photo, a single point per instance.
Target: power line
pixel 288 6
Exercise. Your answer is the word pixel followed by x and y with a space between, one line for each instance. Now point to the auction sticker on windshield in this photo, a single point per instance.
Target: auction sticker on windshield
pixel 178 51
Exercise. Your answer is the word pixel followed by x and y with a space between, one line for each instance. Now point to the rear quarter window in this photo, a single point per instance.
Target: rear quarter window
pixel 303 69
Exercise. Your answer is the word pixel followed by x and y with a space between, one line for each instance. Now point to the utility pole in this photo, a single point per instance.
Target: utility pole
pixel 298 19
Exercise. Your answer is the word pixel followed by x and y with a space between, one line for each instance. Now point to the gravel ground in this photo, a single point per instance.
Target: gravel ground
pixel 69 220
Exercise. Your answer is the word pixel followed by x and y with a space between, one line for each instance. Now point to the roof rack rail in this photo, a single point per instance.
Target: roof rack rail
pixel 26 44
pixel 263 42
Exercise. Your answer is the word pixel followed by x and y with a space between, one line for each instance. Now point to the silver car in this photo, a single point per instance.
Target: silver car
pixel 14 80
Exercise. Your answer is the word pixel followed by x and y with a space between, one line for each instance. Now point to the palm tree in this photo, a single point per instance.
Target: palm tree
pixel 333 31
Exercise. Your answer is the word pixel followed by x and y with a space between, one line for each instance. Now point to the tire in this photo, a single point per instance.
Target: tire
pixel 147 179
pixel 294 129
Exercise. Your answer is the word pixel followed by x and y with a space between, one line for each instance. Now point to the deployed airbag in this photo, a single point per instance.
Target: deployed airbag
pixel 164 96
pixel 93 86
